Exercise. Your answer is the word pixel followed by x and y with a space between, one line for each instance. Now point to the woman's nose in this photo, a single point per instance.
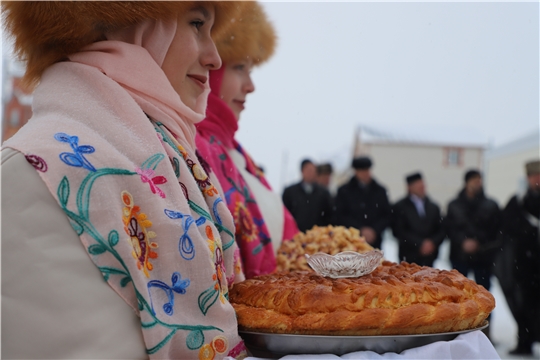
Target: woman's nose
pixel 249 86
pixel 210 57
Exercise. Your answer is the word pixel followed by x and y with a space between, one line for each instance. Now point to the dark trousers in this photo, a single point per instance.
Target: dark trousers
pixel 482 276
pixel 527 314
pixel 482 273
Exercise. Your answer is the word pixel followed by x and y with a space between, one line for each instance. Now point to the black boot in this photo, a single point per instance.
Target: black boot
pixel 521 349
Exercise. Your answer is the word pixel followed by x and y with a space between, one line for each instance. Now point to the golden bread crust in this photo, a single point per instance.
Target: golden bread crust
pixel 328 239
pixel 396 299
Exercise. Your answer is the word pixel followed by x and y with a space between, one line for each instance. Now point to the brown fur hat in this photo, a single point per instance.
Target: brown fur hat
pixel 46 32
pixel 251 36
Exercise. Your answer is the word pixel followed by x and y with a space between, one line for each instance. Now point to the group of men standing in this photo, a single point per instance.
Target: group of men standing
pixel 477 229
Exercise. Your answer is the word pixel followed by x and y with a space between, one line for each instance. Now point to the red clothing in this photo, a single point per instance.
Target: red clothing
pixel 214 140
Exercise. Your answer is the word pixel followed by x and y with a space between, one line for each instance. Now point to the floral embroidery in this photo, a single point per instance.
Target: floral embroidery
pixel 219 276
pixel 38 163
pixel 245 228
pixel 182 151
pixel 147 176
pixel 79 217
pixel 237 266
pixel 135 225
pixel 185 244
pixel 76 158
pixel 207 352
pixel 205 165
pixel 219 290
pixel 198 173
pixel 238 350
pixel 179 286
pixel 219 345
pixel 176 166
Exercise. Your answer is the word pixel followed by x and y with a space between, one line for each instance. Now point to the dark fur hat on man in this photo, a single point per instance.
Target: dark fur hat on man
pixel 46 32
pixel 413 177
pixel 251 36
pixel 471 174
pixel 532 167
pixel 362 163
pixel 325 169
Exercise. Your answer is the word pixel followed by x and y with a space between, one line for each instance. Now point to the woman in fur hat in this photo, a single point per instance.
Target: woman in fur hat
pixel 261 220
pixel 108 162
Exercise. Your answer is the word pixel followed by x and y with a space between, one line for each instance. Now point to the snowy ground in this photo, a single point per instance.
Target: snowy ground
pixel 503 325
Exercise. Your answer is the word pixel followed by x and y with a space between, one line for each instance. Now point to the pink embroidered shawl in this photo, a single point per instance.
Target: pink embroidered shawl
pixel 215 137
pixel 115 146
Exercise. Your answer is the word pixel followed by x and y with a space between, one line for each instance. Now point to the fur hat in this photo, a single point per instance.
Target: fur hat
pixel 411 178
pixel 46 32
pixel 532 167
pixel 250 36
pixel 362 163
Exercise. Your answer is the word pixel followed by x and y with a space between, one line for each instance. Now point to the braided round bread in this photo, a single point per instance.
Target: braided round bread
pixel 395 299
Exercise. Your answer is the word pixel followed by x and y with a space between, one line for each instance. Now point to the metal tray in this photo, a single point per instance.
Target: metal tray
pixel 274 346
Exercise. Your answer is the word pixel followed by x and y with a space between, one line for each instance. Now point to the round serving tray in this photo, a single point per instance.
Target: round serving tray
pixel 269 345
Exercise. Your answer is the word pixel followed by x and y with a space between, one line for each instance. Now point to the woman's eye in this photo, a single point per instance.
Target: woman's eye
pixel 240 67
pixel 197 23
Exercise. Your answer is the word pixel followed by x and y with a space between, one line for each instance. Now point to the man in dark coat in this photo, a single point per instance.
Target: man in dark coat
pixel 473 225
pixel 362 203
pixel 309 203
pixel 417 224
pixel 521 218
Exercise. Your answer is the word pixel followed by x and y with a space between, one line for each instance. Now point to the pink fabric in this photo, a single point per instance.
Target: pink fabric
pixel 133 189
pixel 141 50
pixel 215 136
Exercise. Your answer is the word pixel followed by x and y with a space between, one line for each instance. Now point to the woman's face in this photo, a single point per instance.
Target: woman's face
pixel 192 54
pixel 236 85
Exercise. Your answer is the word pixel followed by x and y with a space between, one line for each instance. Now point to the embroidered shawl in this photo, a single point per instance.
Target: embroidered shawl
pixel 215 139
pixel 113 143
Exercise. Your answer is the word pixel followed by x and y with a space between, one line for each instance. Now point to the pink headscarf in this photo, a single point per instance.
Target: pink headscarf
pixel 141 50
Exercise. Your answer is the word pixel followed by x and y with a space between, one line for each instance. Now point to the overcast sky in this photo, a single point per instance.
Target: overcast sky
pixel 421 67
pixel 435 66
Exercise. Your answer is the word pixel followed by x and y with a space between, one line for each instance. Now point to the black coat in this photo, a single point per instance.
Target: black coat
pixel 358 206
pixel 410 229
pixel 479 218
pixel 308 209
pixel 522 234
pixel 518 264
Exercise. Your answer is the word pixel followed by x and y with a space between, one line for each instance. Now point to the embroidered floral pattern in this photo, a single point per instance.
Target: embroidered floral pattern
pixel 237 265
pixel 147 176
pixel 76 158
pixel 239 349
pixel 207 352
pixel 136 226
pixel 185 243
pixel 219 345
pixel 179 286
pixel 38 163
pixel 219 276
pixel 245 227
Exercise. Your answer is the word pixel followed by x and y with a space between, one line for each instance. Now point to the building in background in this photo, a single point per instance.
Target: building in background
pixel 442 157
pixel 16 102
pixel 505 166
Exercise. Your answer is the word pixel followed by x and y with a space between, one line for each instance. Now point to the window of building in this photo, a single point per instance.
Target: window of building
pixel 453 157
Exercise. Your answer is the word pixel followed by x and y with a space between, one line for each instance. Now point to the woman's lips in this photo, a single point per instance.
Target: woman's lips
pixel 199 79
pixel 240 103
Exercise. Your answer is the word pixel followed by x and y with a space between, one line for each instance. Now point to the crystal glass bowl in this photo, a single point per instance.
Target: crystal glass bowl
pixel 345 264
